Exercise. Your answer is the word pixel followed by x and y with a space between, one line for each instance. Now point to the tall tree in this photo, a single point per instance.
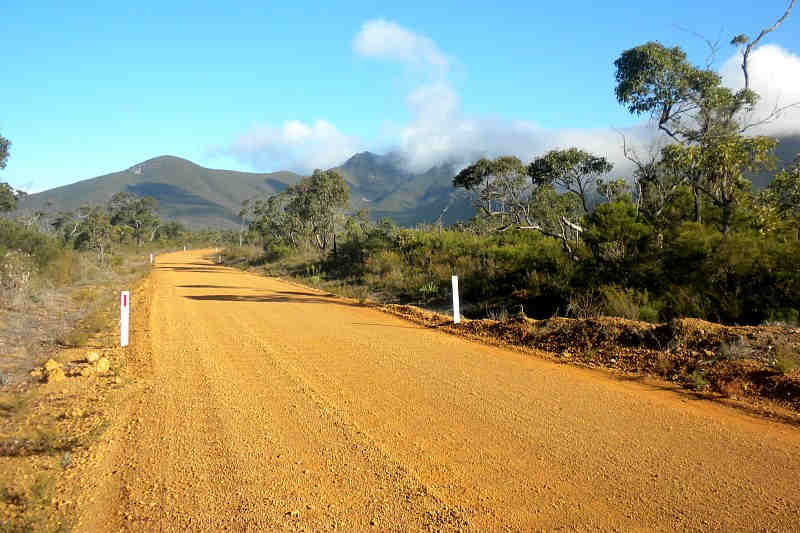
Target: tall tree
pixel 574 171
pixel 8 196
pixel 274 223
pixel 706 122
pixel 306 212
pixel 509 194
pixel 501 189
pixel 94 230
pixel 5 144
pixel 135 212
pixel 742 39
pixel 781 200
pixel 319 202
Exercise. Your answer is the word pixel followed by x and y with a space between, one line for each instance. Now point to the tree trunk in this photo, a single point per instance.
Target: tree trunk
pixel 697 206
pixel 726 217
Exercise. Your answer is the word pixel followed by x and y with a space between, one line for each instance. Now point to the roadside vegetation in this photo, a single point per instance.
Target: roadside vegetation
pixel 561 235
pixel 687 238
pixel 60 277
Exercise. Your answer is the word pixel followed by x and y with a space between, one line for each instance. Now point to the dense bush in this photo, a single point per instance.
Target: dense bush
pixel 41 248
pixel 624 269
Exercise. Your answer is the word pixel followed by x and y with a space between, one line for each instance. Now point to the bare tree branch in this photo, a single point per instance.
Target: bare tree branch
pixel 772 116
pixel 754 42
pixel 713 46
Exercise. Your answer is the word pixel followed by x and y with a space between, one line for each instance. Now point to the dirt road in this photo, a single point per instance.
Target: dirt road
pixel 270 407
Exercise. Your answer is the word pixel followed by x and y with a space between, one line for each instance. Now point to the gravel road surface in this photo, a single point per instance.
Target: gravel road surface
pixel 271 407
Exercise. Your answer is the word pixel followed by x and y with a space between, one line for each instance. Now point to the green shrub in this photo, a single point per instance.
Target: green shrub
pixel 697 380
pixel 628 303
pixel 785 358
pixel 786 315
pixel 276 252
pixel 620 302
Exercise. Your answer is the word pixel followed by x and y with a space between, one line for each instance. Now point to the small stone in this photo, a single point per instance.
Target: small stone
pixel 91 357
pixel 295 513
pixel 36 373
pixel 75 412
pixel 103 365
pixel 52 364
pixel 373 522
pixel 55 374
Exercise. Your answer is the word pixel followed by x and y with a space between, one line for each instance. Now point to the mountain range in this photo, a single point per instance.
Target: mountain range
pixel 203 197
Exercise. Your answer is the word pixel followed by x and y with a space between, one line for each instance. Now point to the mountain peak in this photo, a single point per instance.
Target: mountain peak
pixel 162 160
pixel 363 157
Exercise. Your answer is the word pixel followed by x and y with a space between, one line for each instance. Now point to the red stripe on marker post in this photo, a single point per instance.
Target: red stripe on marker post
pixel 124 318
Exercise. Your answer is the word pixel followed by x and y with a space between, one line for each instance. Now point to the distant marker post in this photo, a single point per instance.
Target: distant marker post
pixel 456 311
pixel 151 259
pixel 124 317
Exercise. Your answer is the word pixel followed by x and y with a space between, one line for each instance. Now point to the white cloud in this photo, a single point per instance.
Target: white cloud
pixel 384 39
pixel 440 131
pixel 295 146
pixel 775 76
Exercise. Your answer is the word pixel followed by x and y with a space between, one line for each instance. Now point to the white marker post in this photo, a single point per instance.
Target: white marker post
pixel 184 248
pixel 456 311
pixel 124 317
pixel 151 259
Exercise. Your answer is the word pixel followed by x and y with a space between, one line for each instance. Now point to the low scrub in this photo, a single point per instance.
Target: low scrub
pixel 693 271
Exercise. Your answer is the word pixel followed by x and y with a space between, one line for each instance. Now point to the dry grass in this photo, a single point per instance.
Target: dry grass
pixel 36 432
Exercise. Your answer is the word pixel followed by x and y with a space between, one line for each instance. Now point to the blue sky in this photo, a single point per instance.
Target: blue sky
pixel 90 89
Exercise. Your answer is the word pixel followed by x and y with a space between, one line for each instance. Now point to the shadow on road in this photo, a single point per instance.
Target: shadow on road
pixel 215 287
pixel 207 270
pixel 275 298
pixel 386 325
pixel 692 396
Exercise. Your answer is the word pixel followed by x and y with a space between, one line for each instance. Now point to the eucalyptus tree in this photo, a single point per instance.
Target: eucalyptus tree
pixel 707 123
pixel 307 212
pixel 550 195
pixel 271 220
pixel 574 171
pixel 319 201
pixel 94 230
pixel 138 213
pixel 8 198
pixel 5 144
pixel 780 202
pixel 705 120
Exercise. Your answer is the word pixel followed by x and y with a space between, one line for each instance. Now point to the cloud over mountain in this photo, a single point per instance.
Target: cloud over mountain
pixel 294 145
pixel 440 130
